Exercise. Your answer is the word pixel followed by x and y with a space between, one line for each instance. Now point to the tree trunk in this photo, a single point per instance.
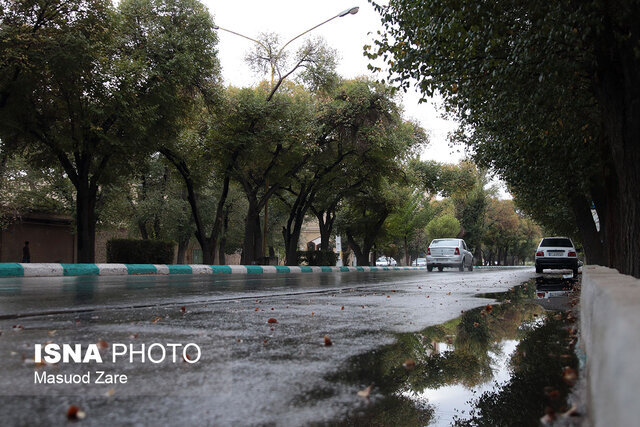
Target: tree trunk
pixel 325 222
pixel 362 258
pixel 85 222
pixel 142 227
pixel 183 244
pixel 218 221
pixel 291 238
pixel 142 224
pixel 618 89
pixel 291 232
pixel 478 255
pixel 209 245
pixel 252 245
pixel 223 238
pixel 590 237
pixel 407 257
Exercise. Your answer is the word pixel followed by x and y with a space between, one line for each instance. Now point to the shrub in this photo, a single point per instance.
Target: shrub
pixel 131 251
pixel 317 257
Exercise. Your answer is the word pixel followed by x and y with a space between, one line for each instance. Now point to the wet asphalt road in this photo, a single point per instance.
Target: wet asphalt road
pixel 251 372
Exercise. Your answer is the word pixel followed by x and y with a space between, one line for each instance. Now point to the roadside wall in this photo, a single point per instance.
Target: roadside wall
pixel 50 237
pixel 610 330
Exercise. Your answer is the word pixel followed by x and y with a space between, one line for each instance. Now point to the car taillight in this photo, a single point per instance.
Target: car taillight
pixel 540 253
pixel 428 251
pixel 457 251
pixel 572 254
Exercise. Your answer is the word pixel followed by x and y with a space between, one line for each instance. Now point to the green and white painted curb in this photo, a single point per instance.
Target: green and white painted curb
pixel 58 270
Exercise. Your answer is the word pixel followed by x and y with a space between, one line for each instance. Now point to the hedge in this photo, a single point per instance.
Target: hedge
pixel 317 257
pixel 131 251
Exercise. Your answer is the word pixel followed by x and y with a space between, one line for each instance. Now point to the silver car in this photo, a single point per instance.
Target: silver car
pixel 449 253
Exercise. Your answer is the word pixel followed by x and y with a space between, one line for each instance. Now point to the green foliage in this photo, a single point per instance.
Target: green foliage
pixel 443 179
pixel 92 87
pixel 127 251
pixel 537 369
pixel 317 257
pixel 157 200
pixel 314 62
pixel 538 96
pixel 443 227
pixel 409 218
pixel 24 188
pixel 508 234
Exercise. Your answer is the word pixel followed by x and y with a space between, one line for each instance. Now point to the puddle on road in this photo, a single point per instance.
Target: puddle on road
pixel 496 365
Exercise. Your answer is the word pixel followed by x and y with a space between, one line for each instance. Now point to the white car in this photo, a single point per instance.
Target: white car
pixel 420 262
pixel 558 253
pixel 385 262
pixel 449 253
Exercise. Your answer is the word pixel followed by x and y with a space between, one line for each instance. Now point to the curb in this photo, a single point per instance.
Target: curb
pixel 58 270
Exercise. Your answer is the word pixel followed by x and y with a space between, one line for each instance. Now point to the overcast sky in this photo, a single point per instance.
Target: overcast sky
pixel 347 35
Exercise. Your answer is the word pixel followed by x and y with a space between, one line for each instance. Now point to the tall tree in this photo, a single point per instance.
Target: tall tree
pixel 347 152
pixel 410 216
pixel 265 143
pixel 90 86
pixel 363 217
pixel 547 94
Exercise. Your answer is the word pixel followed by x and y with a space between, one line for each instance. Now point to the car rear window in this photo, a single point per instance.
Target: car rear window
pixel 556 242
pixel 444 242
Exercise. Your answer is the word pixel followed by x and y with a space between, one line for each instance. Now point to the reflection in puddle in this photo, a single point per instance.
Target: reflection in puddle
pixel 440 375
pixel 453 400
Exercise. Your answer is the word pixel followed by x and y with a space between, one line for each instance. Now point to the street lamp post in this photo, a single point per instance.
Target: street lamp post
pixel 350 11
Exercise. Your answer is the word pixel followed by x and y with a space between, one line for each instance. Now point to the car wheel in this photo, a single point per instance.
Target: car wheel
pixel 538 270
pixel 429 267
pixel 471 267
pixel 461 266
pixel 575 273
pixel 440 268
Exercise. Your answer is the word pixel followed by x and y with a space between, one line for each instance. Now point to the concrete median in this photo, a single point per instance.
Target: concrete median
pixel 610 330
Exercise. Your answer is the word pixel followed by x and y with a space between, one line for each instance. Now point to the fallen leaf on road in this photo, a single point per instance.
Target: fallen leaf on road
pixel 572 412
pixel 52 333
pixel 366 392
pixel 183 309
pixel 569 375
pixel 75 413
pixel 342 308
pixel 327 341
pixel 110 392
pixel 272 320
pixel 489 308
pixel 102 344
pixel 553 394
pixel 18 328
pixel 157 319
